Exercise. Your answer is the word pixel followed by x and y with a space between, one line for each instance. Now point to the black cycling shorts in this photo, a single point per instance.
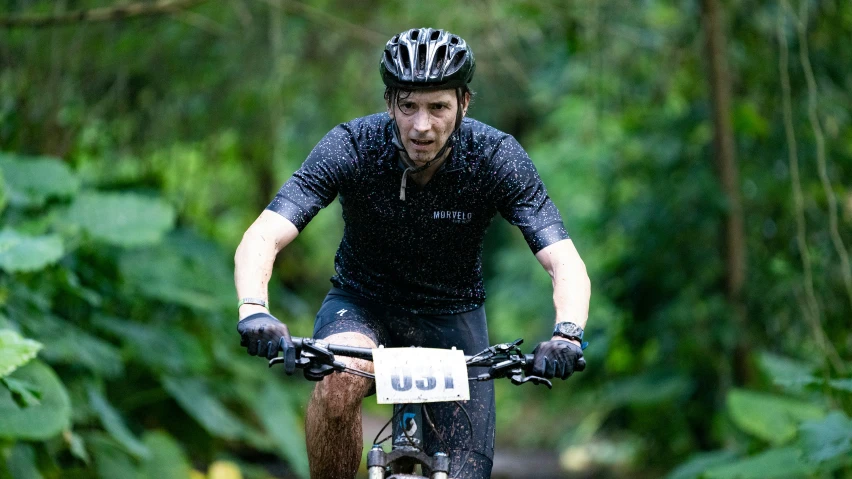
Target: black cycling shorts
pixel 342 311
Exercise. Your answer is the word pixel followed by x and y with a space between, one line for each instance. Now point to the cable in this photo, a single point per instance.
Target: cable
pixel 358 372
pixel 384 427
pixel 467 453
pixel 437 434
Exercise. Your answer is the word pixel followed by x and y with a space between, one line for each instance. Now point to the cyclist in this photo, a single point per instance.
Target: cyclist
pixel 418 186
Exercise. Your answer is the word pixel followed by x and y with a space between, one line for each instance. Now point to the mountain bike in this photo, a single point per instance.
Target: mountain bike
pixel 409 378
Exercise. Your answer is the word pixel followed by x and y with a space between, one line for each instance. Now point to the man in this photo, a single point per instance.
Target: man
pixel 418 186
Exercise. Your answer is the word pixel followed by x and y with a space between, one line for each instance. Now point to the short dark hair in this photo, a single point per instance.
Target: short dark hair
pixel 392 94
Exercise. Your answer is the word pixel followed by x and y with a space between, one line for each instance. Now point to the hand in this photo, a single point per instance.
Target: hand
pixel 261 334
pixel 557 358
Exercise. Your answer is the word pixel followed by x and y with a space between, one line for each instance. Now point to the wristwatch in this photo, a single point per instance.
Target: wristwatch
pixel 569 330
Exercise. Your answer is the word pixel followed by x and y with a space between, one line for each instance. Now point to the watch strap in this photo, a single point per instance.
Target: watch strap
pixel 257 301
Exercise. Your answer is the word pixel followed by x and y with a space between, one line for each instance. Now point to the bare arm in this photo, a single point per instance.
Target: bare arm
pixel 571 286
pixel 255 255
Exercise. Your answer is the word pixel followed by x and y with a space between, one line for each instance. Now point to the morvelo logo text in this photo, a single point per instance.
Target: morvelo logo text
pixel 453 216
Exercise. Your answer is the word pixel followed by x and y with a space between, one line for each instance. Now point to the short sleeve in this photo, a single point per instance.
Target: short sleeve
pixel 317 182
pixel 522 199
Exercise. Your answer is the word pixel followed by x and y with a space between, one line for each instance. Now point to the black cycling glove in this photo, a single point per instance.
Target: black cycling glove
pixel 557 358
pixel 261 334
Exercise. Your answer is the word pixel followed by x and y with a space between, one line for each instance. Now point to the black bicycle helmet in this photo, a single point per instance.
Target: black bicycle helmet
pixel 426 58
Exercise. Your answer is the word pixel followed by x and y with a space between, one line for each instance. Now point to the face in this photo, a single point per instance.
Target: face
pixel 426 120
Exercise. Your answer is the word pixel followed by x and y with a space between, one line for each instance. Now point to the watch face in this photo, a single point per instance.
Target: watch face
pixel 569 329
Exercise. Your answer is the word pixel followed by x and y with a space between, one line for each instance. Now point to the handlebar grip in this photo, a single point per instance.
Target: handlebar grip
pixel 578 367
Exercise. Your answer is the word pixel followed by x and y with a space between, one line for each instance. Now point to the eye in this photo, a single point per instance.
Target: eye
pixel 407 107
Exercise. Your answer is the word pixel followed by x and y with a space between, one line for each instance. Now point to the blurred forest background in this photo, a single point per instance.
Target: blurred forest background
pixel 699 150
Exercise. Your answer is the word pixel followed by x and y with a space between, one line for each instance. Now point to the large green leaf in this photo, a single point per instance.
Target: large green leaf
pixel 841 384
pixel 162 347
pixel 111 460
pixel 15 351
pixel 276 412
pixel 185 270
pixel 30 181
pixel 771 418
pixel 785 463
pixel 198 401
pixel 167 460
pixel 697 464
pixel 114 424
pixel 786 372
pixel 123 219
pixel 41 421
pixel 827 439
pixel 21 253
pixel 21 462
pixel 74 346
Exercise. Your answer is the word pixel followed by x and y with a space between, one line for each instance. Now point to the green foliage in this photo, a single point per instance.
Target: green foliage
pixel 122 219
pixel 697 464
pixel 196 123
pixel 35 421
pixel 771 418
pixel 31 181
pixel 827 439
pixel 20 253
pixel 783 463
pixel 15 351
pixel 282 425
pixel 195 397
pixel 167 459
pixel 114 425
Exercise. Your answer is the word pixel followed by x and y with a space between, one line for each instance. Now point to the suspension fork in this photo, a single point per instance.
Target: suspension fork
pixel 407 450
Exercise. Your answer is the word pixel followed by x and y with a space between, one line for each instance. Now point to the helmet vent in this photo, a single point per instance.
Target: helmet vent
pixel 435 35
pixel 458 60
pixel 441 57
pixel 421 60
pixel 405 58
pixel 389 61
pixel 414 34
pixel 454 40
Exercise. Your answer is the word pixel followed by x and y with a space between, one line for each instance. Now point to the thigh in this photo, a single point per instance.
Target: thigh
pixel 343 312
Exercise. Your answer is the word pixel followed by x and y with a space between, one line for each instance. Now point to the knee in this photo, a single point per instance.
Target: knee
pixel 339 394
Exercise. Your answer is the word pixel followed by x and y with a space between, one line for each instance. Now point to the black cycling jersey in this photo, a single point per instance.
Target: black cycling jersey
pixel 423 253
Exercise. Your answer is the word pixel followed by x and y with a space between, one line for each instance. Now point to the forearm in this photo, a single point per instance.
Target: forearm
pixel 571 285
pixel 255 257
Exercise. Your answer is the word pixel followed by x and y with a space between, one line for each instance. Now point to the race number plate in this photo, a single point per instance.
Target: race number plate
pixel 416 375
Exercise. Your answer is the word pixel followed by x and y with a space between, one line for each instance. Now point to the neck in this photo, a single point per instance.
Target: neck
pixel 423 177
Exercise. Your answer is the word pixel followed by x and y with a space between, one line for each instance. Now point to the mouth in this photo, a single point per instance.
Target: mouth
pixel 421 144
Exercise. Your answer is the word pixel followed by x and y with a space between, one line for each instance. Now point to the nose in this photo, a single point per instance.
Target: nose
pixel 421 122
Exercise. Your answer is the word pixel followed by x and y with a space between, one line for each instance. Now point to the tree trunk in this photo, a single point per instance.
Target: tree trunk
pixel 727 169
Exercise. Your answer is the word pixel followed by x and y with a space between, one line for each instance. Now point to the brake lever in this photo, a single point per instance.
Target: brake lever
pixel 519 379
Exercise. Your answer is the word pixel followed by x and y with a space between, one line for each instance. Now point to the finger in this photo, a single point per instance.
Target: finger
pixel 271 349
pixel 549 370
pixel 243 340
pixel 539 365
pixel 568 370
pixel 559 370
pixel 253 347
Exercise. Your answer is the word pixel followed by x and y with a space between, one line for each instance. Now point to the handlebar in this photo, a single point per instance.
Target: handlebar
pixel 316 358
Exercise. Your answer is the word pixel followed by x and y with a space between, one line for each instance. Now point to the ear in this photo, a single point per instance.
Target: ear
pixel 465 103
pixel 390 109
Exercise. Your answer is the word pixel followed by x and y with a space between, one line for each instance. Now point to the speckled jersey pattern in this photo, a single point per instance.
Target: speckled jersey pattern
pixel 424 253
